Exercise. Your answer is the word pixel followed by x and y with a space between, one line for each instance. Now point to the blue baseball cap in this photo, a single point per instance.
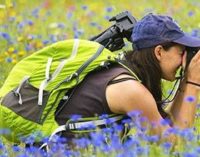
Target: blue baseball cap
pixel 153 30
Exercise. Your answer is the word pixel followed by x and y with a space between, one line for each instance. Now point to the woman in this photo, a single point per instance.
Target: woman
pixel 159 51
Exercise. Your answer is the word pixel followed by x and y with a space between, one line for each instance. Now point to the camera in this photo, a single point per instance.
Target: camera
pixel 112 38
pixel 191 51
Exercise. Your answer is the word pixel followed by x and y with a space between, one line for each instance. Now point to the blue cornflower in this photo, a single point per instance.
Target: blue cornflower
pixel 84 7
pixel 190 99
pixel 189 154
pixel 82 142
pixel 167 146
pixel 35 12
pixel 165 122
pixel 153 138
pixel 5 131
pixel 109 9
pixel 9 59
pixel 104 116
pixel 61 25
pixel 69 15
pixel 16 148
pixel 107 17
pixel 97 138
pixel 1 146
pixel 53 38
pixel 93 23
pixel 134 113
pixel 195 33
pixel 188 134
pixel 190 13
pixel 30 22
pixel 5 35
pixel 75 117
pixel 141 150
pixel 45 42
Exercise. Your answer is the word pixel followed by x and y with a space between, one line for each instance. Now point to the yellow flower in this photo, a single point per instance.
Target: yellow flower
pixel 14 61
pixel 14 56
pixel 21 53
pixel 20 39
pixel 11 50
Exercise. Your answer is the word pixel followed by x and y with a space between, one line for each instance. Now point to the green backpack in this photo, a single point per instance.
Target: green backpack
pixel 35 86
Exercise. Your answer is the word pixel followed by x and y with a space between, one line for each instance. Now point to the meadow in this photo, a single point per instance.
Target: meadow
pixel 27 26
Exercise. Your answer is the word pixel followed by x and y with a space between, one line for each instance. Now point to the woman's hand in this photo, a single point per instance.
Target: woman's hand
pixel 193 70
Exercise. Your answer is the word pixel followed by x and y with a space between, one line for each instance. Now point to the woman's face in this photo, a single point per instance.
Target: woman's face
pixel 170 60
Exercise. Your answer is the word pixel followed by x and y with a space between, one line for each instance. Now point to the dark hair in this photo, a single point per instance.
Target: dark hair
pixel 146 66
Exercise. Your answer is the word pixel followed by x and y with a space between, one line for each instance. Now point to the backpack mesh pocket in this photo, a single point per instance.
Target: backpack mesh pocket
pixel 28 108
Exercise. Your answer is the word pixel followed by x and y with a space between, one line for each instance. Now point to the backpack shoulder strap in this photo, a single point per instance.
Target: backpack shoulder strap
pixel 131 72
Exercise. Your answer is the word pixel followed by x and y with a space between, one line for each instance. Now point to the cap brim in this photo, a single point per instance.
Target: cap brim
pixel 188 41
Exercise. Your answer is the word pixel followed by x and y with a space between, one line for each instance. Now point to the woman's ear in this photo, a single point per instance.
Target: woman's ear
pixel 158 52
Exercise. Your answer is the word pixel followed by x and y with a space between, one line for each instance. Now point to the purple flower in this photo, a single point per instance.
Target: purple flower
pixel 45 42
pixel 30 23
pixel 107 17
pixel 9 59
pixel 93 24
pixel 190 13
pixel 134 113
pixel 16 148
pixel 5 131
pixel 190 99
pixel 153 138
pixel 195 33
pixel 189 154
pixel 109 9
pixel 84 7
pixel 165 122
pixel 167 145
pixel 5 35
pixel 75 117
pixel 69 15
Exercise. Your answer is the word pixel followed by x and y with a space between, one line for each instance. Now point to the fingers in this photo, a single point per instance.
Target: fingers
pixel 184 60
pixel 197 56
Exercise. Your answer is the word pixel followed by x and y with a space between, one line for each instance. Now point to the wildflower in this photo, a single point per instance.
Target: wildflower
pixel 187 134
pixel 195 32
pixel 5 131
pixel 93 24
pixel 69 15
pixel 107 17
pixel 97 138
pixel 153 138
pixel 45 42
pixel 9 59
pixel 61 25
pixel 11 50
pixel 75 117
pixel 109 9
pixel 190 99
pixel 190 13
pixel 134 113
pixel 82 142
pixel 167 146
pixel 84 7
pixel 35 12
pixel 1 146
pixel 21 53
pixel 189 154
pixel 20 39
pixel 165 122
pixel 5 35
pixel 30 23
pixel 16 148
